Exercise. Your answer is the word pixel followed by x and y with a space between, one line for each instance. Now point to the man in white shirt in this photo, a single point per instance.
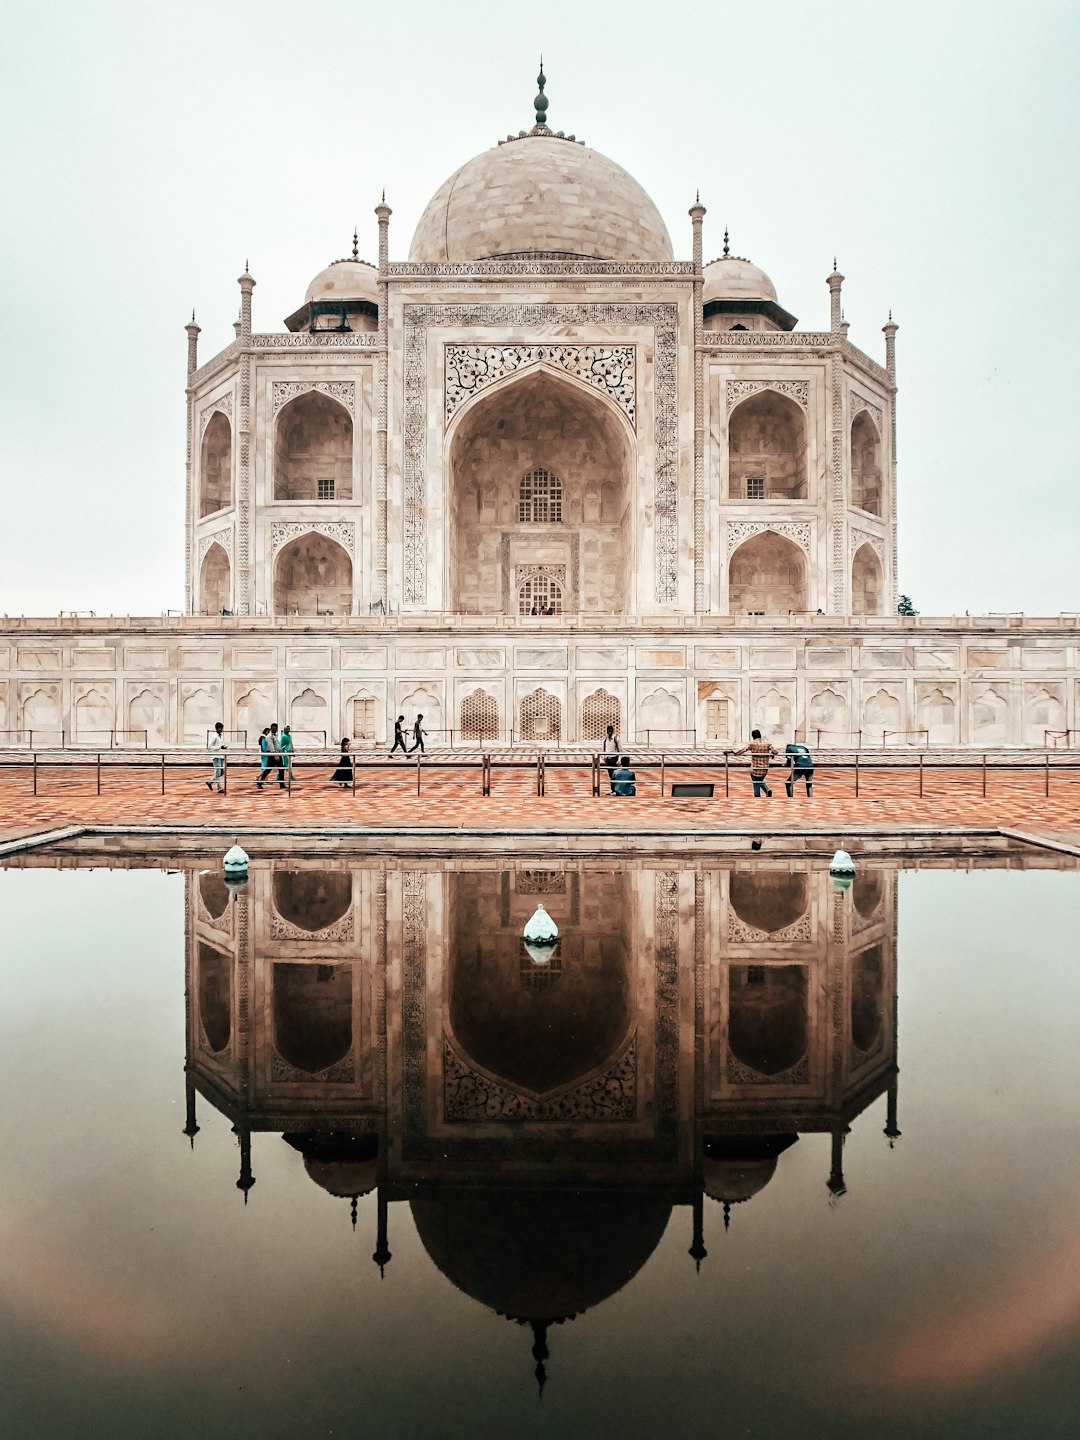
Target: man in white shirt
pixel 216 747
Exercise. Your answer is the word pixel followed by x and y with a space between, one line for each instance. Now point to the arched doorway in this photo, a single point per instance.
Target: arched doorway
pixel 215 581
pixel 312 1015
pixel 768 1024
pixel 866 582
pixel 865 467
pixel 767 449
pixel 313 575
pixel 539 495
pixel 767 576
pixel 215 469
pixel 313 444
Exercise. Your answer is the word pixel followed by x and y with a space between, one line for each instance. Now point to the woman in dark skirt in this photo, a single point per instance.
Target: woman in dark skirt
pixel 343 775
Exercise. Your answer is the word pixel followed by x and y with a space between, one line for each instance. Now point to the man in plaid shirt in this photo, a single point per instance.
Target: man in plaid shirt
pixel 761 752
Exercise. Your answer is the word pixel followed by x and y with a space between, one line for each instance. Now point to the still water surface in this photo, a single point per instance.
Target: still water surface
pixel 746 1157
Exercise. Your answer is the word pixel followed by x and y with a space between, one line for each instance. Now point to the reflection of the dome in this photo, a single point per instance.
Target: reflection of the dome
pixel 691 1024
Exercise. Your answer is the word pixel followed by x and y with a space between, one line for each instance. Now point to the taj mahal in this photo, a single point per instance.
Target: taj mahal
pixel 540 477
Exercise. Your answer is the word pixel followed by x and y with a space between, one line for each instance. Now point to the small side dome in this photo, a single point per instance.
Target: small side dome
pixel 342 1164
pixel 735 1168
pixel 731 278
pixel 345 280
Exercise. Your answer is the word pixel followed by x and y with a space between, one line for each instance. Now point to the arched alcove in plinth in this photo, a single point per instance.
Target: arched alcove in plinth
pixel 312 1014
pixel 313 575
pixel 867 582
pixel 539 494
pixel 215 469
pixel 768 1021
pixel 313 450
pixel 767 576
pixel 767 449
pixel 215 581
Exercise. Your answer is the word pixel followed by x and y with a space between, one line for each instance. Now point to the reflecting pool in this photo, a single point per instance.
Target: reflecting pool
pixel 331 1153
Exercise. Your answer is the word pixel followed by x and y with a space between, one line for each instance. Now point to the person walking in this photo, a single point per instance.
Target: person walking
pixel 761 752
pixel 802 768
pixel 343 775
pixel 418 736
pixel 217 747
pixel 273 757
pixel 625 781
pixel 611 755
pixel 287 755
pixel 264 757
pixel 399 736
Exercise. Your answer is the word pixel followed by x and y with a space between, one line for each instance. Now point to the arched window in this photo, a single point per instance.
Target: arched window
pixel 480 716
pixel 541 716
pixel 540 497
pixel 598 711
pixel 540 594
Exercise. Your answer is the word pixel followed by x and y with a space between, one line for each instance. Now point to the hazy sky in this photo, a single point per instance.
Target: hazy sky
pixel 150 148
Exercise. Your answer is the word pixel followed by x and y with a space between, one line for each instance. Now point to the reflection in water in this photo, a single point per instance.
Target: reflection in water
pixel 542 1121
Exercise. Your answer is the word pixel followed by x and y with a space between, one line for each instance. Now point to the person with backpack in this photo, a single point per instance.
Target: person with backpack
pixel 801 764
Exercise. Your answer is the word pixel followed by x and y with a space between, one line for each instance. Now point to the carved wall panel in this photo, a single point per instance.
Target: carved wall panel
pixel 343 391
pixel 796 390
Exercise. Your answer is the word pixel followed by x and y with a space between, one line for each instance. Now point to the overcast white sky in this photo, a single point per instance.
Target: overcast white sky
pixel 150 148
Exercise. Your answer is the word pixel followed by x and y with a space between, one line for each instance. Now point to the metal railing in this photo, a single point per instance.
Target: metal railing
pixel 854 773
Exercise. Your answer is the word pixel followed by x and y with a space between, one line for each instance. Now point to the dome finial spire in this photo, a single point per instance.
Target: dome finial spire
pixel 540 104
pixel 727 245
pixel 355 244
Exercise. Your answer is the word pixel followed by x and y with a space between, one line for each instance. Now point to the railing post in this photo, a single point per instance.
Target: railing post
pixel 596 776
pixel 1046 786
pixel 856 774
pixel 661 776
pixel 727 776
pixel 354 775
pixel 163 772
pixel 224 774
pixel 418 774
pixel 35 769
pixel 99 773
pixel 920 774
pixel 984 777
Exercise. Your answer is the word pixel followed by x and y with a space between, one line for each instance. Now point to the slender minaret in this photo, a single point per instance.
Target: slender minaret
pixel 247 1179
pixel 383 212
pixel 838 560
pixel 192 331
pixel 697 1251
pixel 191 1128
pixel 243 538
pixel 697 215
pixel 890 330
pixel 835 1183
pixel 836 315
pixel 382 1255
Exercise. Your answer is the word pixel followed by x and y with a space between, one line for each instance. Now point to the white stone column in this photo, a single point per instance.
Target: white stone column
pixel 890 365
pixel 193 333
pixel 697 214
pixel 383 211
pixel 242 590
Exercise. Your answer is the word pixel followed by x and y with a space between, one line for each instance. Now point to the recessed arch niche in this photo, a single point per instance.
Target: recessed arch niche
pixel 865 466
pixel 867 998
pixel 215 469
pixel 768 1019
pixel 313 1015
pixel 313 575
pixel 767 576
pixel 769 900
pixel 215 581
pixel 313 450
pixel 867 582
pixel 539 423
pixel 767 448
pixel 215 997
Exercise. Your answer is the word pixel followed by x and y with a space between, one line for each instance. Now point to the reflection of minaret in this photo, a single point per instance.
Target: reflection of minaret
pixel 247 1179
pixel 835 1183
pixel 697 1251
pixel 892 1130
pixel 191 1129
pixel 382 1255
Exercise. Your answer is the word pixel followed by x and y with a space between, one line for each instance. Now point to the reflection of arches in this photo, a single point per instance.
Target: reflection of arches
pixel 93 716
pixel 990 718
pixel 865 468
pixel 769 900
pixel 867 585
pixel 215 997
pixel 313 450
pixel 767 449
pixel 869 890
pixel 215 581
pixel 936 714
pixel 479 716
pixel 767 576
pixel 598 711
pixel 214 894
pixel 313 575
pixel 312 1012
pixel 541 716
pixel 540 594
pixel 829 716
pixel 867 998
pixel 768 1022
pixel 660 715
pixel 146 719
pixel 216 467
pixel 536 424
pixel 312 900
pixel 539 1039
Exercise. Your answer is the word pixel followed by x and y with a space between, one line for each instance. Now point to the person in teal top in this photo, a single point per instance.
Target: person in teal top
pixel 286 753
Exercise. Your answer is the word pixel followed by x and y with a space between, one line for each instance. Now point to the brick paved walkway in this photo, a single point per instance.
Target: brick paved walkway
pixel 387 798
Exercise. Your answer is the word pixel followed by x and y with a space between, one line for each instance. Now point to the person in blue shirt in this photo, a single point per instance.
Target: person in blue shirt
pixel 624 781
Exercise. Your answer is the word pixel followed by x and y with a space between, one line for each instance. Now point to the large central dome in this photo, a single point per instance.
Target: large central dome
pixel 540 192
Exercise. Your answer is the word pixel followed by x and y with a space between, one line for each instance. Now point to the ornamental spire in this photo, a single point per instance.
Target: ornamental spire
pixel 727 245
pixel 540 104
pixel 355 244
